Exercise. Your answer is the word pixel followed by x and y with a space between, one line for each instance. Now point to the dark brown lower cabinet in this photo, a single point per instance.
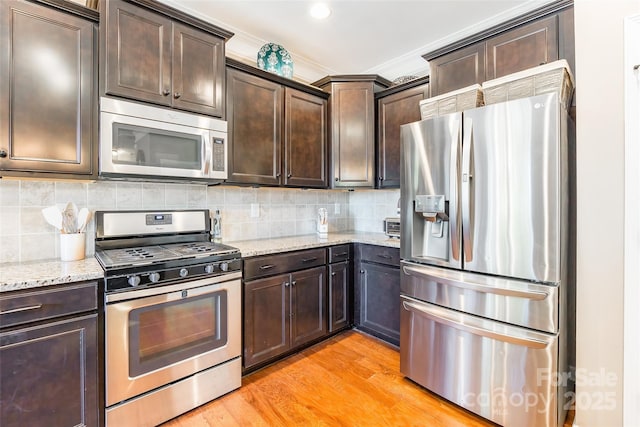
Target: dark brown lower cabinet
pixel 283 312
pixel 308 292
pixel 49 374
pixel 377 292
pixel 339 298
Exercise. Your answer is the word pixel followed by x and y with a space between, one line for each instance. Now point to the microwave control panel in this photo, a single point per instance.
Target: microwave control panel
pixel 218 155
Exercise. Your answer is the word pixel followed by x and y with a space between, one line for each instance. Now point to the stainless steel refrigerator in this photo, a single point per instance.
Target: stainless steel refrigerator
pixel 485 247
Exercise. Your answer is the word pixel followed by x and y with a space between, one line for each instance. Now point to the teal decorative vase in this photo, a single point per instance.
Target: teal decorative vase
pixel 274 58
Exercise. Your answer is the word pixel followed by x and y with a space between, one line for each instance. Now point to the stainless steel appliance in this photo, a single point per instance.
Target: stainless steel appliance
pixel 392 227
pixel 145 141
pixel 172 314
pixel 484 247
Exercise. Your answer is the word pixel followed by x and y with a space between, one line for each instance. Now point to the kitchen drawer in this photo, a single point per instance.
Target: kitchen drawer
pixel 268 265
pixel 380 254
pixel 339 253
pixel 46 303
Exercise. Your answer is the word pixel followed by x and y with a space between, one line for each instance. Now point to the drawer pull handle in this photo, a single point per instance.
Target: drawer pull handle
pixel 385 256
pixel 342 254
pixel 309 259
pixel 21 309
pixel 266 267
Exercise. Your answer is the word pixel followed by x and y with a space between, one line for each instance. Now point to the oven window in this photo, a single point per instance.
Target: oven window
pixel 137 145
pixel 166 333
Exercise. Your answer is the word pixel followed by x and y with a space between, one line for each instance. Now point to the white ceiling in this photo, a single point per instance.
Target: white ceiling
pixel 384 37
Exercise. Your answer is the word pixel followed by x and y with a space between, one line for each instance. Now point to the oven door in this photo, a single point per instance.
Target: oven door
pixel 153 340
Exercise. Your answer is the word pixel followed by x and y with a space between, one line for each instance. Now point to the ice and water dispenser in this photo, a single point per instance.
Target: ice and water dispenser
pixel 431 227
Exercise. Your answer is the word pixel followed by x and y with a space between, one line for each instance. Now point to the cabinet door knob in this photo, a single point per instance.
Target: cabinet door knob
pixel 289 175
pixel 177 95
pixel 278 175
pixel 286 284
pixel 337 179
pixel 166 92
pixel 361 271
pixel 3 153
pixel 333 273
pixel 293 283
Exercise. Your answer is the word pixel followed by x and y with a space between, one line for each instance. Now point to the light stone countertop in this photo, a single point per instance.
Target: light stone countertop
pixel 33 274
pixel 250 248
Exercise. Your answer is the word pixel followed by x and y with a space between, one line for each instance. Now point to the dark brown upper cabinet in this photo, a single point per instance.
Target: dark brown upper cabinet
pixel 149 55
pixel 278 132
pixel 523 47
pixel 48 119
pixel 396 107
pixel 535 38
pixel 458 69
pixel 305 139
pixel 254 115
pixel 352 123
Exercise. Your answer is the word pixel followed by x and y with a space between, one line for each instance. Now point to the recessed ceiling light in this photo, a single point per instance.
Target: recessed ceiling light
pixel 320 11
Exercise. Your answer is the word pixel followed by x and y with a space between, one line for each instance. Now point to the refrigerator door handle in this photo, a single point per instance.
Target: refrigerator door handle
pixel 454 183
pixel 475 286
pixel 467 151
pixel 442 316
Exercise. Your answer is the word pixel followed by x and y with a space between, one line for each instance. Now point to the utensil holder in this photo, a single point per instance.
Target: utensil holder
pixel 72 246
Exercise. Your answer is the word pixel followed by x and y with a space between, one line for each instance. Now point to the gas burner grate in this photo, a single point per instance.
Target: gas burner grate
pixel 200 248
pixel 136 255
pixel 139 253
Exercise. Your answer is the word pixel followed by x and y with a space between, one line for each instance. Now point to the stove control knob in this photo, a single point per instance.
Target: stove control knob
pixel 209 268
pixel 184 272
pixel 154 277
pixel 224 266
pixel 133 280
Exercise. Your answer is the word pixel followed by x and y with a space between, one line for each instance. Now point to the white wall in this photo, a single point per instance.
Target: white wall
pixel 600 207
pixel 632 226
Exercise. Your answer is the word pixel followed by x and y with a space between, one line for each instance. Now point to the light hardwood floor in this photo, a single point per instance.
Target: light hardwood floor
pixel 351 379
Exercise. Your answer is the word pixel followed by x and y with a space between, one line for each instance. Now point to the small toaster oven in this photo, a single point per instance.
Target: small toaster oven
pixel 392 227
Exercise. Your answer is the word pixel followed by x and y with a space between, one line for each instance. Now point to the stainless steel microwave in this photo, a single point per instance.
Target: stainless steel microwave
pixel 148 142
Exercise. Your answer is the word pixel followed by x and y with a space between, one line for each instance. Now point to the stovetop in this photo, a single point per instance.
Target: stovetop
pixel 141 249
pixel 152 254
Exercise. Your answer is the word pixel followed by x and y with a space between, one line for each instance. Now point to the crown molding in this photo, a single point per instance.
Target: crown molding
pixel 244 46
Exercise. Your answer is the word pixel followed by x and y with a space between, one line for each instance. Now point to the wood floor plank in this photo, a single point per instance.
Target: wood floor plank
pixel 350 380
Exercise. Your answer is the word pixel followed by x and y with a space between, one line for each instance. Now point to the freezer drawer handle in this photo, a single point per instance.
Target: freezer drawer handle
pixel 527 342
pixel 479 287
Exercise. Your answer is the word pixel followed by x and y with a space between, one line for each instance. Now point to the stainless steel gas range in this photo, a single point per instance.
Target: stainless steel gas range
pixel 172 314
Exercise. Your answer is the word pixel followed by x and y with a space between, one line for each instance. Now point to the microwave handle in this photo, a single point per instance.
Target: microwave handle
pixel 207 154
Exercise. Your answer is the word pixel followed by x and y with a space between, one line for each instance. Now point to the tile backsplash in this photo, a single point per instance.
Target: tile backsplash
pixel 26 236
